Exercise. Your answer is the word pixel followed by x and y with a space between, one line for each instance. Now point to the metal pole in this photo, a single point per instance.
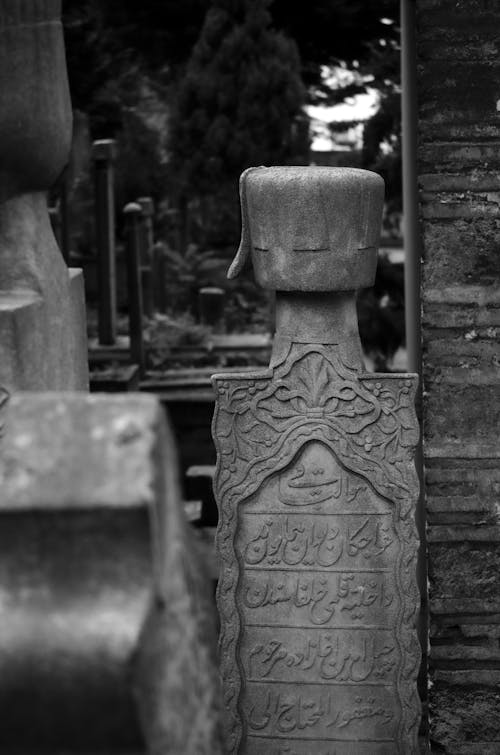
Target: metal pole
pixel 103 154
pixel 411 231
pixel 132 214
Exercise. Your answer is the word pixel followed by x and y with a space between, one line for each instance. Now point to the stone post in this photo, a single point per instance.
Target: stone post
pixel 211 302
pixel 42 311
pixel 146 254
pixel 132 213
pixel 316 488
pixel 159 273
pixel 103 154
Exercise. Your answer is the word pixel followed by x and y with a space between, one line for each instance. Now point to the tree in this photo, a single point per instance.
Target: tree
pixel 382 132
pixel 237 105
pixel 328 33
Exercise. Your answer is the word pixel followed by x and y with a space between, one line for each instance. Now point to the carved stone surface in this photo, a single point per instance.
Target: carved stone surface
pixel 316 488
pixel 108 627
pixel 42 318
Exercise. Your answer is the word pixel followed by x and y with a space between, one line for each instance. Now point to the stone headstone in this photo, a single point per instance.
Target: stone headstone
pixel 42 330
pixel 108 641
pixel 316 489
pixel 211 302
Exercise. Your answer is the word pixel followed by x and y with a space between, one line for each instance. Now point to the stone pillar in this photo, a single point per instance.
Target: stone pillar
pixel 211 301
pixel 458 76
pixel 159 276
pixel 132 212
pixel 146 254
pixel 42 323
pixel 108 640
pixel 103 154
pixel 316 488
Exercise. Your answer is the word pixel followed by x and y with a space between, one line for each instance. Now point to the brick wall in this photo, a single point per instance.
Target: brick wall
pixel 458 59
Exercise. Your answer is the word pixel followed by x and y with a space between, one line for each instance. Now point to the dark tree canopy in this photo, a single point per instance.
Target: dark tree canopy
pixel 238 101
pixel 162 33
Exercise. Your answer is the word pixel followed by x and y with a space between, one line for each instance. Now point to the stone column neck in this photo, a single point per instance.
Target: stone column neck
pixel 327 318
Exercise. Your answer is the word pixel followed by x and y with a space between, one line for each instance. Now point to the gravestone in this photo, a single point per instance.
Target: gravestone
pixel 316 488
pixel 42 309
pixel 108 641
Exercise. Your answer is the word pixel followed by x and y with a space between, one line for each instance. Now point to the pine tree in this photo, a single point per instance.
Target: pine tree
pixel 239 102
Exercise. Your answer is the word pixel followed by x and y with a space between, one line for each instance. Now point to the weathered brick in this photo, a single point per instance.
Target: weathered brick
pixel 462 252
pixel 461 717
pixel 468 316
pixel 466 420
pixel 445 654
pixel 466 181
pixel 464 570
pixel 464 205
pixel 475 534
pixel 455 125
pixel 457 157
pixel 476 608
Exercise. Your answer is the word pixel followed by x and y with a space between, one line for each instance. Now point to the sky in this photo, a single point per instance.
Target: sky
pixel 359 107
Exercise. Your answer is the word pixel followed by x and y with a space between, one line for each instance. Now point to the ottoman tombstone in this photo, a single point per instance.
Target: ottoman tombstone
pixel 316 488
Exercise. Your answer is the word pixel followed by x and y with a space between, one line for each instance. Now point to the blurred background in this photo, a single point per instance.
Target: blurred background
pixel 192 93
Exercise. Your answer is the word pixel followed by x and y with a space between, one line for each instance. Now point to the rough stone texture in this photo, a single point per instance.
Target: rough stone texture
pixel 108 636
pixel 459 176
pixel 42 332
pixel 316 489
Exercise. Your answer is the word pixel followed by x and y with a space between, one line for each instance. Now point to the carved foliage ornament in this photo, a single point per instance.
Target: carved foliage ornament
pixel 368 421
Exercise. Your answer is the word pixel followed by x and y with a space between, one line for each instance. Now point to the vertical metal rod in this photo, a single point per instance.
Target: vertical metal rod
pixel 103 154
pixel 132 214
pixel 412 246
pixel 410 186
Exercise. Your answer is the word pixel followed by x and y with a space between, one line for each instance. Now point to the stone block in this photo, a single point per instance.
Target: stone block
pixel 107 623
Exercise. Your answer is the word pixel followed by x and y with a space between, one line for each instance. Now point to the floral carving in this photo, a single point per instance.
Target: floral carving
pixel 261 422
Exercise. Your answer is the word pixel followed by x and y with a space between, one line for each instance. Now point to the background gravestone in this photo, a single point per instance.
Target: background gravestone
pixel 317 489
pixel 42 310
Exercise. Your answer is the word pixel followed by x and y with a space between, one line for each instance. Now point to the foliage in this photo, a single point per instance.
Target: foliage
pixel 188 272
pixel 382 132
pixel 162 33
pixel 236 104
pixel 164 332
pixel 246 305
pixel 328 33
